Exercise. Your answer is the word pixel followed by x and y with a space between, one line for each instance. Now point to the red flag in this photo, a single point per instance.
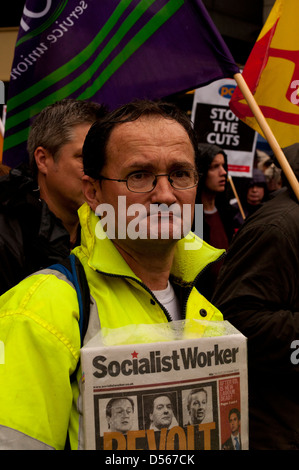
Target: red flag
pixel 272 74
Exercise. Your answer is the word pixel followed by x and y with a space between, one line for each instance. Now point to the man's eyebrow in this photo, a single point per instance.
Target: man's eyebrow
pixel 149 166
pixel 139 166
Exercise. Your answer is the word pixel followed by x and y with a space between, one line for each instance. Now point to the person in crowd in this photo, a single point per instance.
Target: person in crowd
pixel 38 206
pixel 161 413
pixel 234 441
pixel 119 414
pixel 212 194
pixel 142 154
pixel 257 291
pixel 254 194
pixel 218 214
pixel 273 177
pixel 266 163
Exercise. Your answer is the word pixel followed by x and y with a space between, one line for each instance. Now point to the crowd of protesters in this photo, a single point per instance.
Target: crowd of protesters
pixel 39 226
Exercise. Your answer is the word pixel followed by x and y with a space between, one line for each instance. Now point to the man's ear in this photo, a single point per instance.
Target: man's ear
pixel 91 190
pixel 42 158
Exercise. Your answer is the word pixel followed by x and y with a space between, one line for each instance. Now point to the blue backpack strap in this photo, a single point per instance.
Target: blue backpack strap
pixel 73 270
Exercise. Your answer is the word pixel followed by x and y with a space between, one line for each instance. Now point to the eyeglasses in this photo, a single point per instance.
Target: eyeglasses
pixel 145 181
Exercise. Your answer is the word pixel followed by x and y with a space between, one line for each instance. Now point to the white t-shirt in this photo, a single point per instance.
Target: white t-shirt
pixel 170 301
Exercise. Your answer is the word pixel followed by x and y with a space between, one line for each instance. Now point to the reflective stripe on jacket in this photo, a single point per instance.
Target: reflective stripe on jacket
pixel 39 330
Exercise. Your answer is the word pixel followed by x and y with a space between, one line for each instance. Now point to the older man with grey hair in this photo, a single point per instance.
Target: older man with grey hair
pixel 38 206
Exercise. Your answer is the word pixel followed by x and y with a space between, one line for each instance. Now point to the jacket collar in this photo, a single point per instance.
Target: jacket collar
pixel 191 256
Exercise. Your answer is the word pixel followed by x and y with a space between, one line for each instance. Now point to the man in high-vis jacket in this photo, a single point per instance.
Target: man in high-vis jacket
pixel 138 158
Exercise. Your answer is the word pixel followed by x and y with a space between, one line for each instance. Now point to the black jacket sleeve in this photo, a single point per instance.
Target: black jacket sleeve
pixel 257 291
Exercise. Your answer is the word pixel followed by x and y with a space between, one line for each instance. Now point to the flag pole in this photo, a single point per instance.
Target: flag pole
pixel 281 158
pixel 1 139
pixel 236 196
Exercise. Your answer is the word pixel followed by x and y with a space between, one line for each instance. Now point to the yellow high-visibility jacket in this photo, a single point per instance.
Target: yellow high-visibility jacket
pixel 39 331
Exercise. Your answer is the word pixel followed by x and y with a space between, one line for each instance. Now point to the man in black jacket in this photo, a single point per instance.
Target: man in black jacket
pixel 257 291
pixel 38 206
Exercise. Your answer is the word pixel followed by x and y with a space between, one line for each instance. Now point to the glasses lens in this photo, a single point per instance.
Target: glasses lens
pixel 184 179
pixel 141 182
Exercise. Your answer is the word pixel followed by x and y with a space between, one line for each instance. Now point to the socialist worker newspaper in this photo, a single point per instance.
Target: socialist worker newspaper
pixel 174 394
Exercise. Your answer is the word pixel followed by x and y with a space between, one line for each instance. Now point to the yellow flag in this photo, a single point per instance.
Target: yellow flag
pixel 272 74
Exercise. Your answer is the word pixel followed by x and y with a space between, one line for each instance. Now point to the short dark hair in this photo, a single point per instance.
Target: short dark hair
pixel 152 402
pixel 113 400
pixel 94 149
pixel 234 411
pixel 53 126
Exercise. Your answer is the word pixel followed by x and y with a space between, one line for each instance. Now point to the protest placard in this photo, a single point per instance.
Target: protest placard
pixel 215 123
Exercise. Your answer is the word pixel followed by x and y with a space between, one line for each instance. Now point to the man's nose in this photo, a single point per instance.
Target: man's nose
pixel 163 191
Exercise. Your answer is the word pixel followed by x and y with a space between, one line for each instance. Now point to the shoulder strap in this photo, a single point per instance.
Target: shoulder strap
pixel 72 268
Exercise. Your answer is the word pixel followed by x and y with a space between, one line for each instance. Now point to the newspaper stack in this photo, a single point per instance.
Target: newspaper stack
pixel 187 390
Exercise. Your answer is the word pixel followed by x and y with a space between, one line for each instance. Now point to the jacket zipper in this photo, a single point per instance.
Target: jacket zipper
pixel 144 287
pixel 164 310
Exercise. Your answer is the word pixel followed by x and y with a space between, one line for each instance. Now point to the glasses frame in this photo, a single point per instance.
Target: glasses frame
pixel 101 177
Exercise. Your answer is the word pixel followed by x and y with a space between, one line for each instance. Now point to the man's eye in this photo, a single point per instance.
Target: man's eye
pixel 140 176
pixel 137 176
pixel 181 173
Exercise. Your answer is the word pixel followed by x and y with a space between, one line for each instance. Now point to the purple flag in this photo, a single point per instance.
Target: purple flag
pixel 108 51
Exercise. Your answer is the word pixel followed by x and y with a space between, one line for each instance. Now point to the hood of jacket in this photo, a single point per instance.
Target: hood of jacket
pixel 19 198
pixel 205 156
pixel 40 238
pixel 292 155
pixel 17 188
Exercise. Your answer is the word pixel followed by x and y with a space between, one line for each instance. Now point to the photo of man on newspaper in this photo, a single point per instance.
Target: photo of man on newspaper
pixel 160 411
pixel 118 414
pixel 198 405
